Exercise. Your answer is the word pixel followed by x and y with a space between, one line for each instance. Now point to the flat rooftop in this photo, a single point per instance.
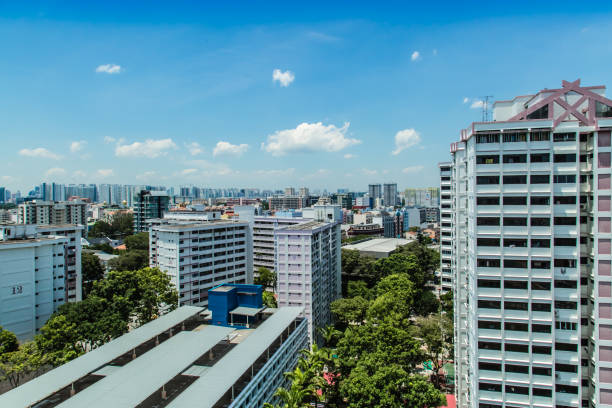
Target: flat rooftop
pixel 308 225
pixel 382 245
pixel 176 225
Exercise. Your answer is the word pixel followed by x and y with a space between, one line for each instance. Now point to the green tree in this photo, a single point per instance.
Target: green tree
pixel 265 277
pixel 59 340
pixel 359 288
pixel 130 261
pixel 122 225
pixel 349 311
pixel 8 341
pixel 330 335
pixel 395 300
pixel 401 263
pixel 21 363
pixel 100 229
pixel 446 301
pixel 268 299
pixel 148 292
pixel 436 332
pixel 91 269
pixel 137 241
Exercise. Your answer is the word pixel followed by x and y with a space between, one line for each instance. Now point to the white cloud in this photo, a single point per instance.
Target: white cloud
pixel 415 56
pixel 349 156
pixel 186 172
pixel 316 174
pixel 149 148
pixel 55 172
pixel 39 152
pixel 7 179
pixel 279 172
pixel 369 172
pixel 231 149
pixel 284 78
pixel 104 172
pixel 79 174
pixel 309 137
pixel 147 175
pixel 412 169
pixel 109 69
pixel 477 105
pixel 77 146
pixel 194 148
pixel 406 138
pixel 109 139
pixel 466 99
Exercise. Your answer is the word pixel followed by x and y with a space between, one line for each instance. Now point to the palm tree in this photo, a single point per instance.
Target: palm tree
pixel 329 334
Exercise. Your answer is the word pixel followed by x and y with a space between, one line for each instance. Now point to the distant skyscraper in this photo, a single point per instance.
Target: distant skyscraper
pixel 2 194
pixel 148 205
pixel 390 194
pixel 290 191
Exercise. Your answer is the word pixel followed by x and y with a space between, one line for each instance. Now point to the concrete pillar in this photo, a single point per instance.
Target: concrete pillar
pixel 72 390
pixel 170 332
pixel 164 394
pixel 211 355
pixel 157 340
pixel 232 392
pixel 133 353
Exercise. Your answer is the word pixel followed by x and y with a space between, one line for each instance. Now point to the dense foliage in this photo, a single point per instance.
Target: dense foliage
pixel 389 323
pixel 121 225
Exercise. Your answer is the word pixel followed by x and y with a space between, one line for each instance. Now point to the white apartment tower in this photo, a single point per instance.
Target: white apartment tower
pixel 526 233
pixel 53 213
pixel 308 266
pixel 199 255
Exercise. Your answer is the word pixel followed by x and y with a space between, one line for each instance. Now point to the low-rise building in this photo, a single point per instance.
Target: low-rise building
pixel 378 247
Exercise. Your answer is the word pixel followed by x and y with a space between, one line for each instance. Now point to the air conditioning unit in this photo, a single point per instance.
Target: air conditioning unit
pixel 563 271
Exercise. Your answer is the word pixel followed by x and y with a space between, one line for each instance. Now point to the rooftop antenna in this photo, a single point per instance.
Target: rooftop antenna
pixel 485 107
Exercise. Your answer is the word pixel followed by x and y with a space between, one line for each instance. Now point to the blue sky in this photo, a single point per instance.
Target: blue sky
pixel 181 93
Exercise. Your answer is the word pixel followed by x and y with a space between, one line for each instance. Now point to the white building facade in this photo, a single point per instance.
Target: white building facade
pixel 527 230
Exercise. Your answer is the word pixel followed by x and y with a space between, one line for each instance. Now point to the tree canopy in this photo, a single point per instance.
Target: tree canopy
pixel 137 241
pixel 265 277
pixel 91 270
pixel 121 225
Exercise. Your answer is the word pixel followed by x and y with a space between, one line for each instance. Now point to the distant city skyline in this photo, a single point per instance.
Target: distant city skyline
pixel 265 95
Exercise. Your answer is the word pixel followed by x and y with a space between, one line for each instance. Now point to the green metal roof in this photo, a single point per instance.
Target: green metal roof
pixel 49 383
pixel 215 382
pixel 137 380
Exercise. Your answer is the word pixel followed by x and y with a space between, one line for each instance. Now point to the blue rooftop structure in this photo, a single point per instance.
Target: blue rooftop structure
pixel 235 304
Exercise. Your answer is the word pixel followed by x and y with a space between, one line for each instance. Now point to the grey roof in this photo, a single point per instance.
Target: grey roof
pixel 133 383
pixel 215 382
pixel 378 245
pixel 41 387
pixel 246 311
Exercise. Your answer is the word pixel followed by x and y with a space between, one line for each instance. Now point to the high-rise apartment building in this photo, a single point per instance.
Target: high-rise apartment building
pixel 53 213
pixel 308 266
pixel 198 255
pixel 33 276
pixel 374 192
pixel 148 205
pixel 529 208
pixel 446 227
pixel 390 194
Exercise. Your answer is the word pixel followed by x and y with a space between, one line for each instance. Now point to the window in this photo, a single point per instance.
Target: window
pixel 489 304
pixel 513 368
pixel 535 200
pixel 521 200
pixel 541 307
pixel 491 242
pixel 516 348
pixel 564 158
pixel 565 242
pixel 487 200
pixel 516 179
pixel 565 200
pixel 515 263
pixel 540 157
pixel 602 110
pixel 516 305
pixel 515 158
pixel 515 243
pixel 487 221
pixel 512 326
pixel 539 135
pixel 515 221
pixel 487 138
pixel 481 159
pixel 540 222
pixel 541 328
pixel 540 285
pixel 566 368
pixel 541 350
pixel 541 392
pixel 488 345
pixel 564 178
pixel 515 137
pixel 480 180
pixel 571 326
pixel 564 137
pixel 485 324
pixel 539 179
pixel 483 386
pixel 515 389
pixel 567 305
pixel 566 389
pixel 565 263
pixel 566 284
pixel 540 243
pixel 565 220
pixel 540 264
pixel 488 263
pixel 489 283
pixel 547 371
pixel 482 365
pixel 566 347
pixel 512 284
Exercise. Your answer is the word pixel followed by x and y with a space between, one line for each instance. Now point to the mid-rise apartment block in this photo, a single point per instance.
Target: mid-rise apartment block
pixel 287 202
pixel 198 255
pixel 53 213
pixel 308 266
pixel 390 194
pixel 526 231
pixel 33 278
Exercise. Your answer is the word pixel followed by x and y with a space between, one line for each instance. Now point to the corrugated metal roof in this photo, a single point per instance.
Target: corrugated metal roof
pixel 215 382
pixel 137 380
pixel 53 381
